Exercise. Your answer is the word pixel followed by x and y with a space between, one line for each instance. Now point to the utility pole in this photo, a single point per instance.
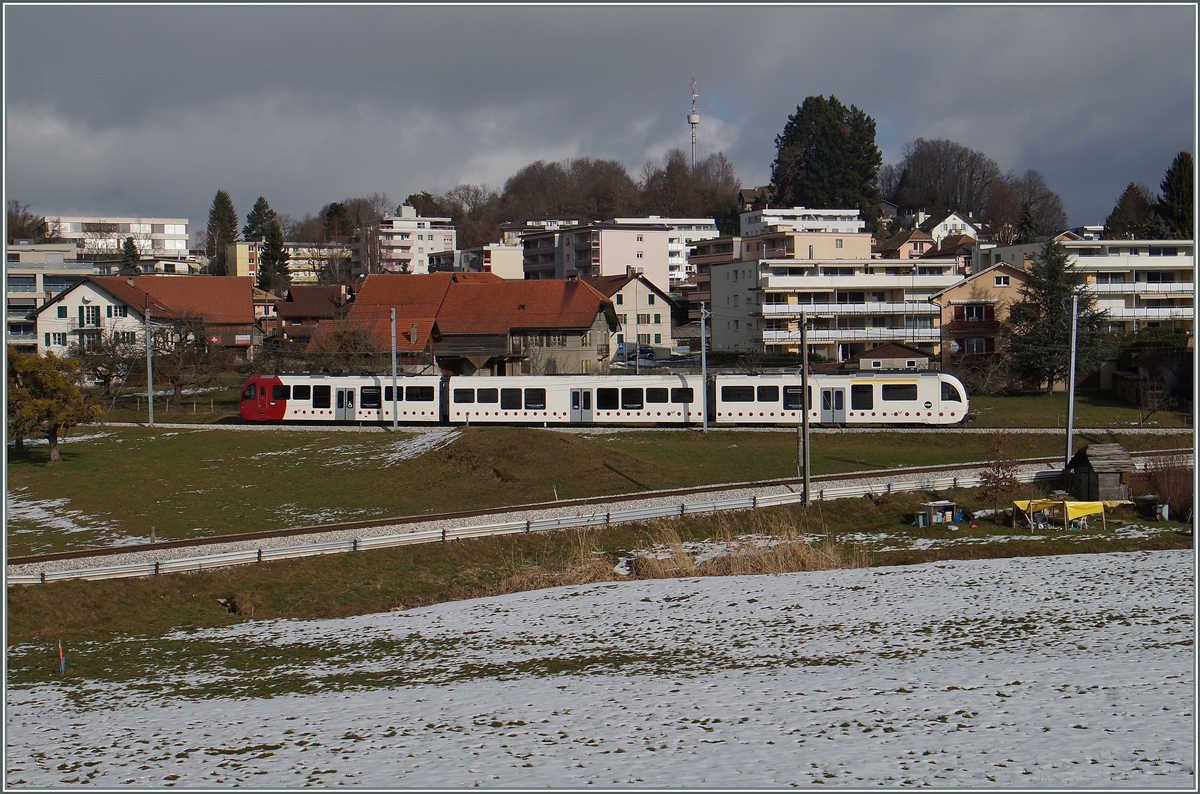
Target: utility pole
pixel 395 396
pixel 149 357
pixel 1071 380
pixel 804 399
pixel 703 365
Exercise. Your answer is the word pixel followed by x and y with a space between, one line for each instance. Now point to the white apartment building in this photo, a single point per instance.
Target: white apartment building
pixel 1140 283
pixel 800 219
pixel 405 243
pixel 598 249
pixel 34 273
pixel 684 232
pixel 852 305
pixel 160 238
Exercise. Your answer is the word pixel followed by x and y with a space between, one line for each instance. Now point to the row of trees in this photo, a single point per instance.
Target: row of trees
pixel 263 225
pixel 1143 214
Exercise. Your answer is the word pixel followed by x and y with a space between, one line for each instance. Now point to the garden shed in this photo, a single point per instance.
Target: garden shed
pixel 1100 473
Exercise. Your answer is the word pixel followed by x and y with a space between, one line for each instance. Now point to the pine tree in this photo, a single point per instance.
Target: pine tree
pixel 826 158
pixel 1178 197
pixel 222 230
pixel 129 258
pixel 258 220
pixel 1132 218
pixel 1038 328
pixel 1027 228
pixel 273 260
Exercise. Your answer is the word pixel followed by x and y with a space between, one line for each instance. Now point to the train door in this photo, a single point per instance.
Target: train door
pixel 833 405
pixel 264 396
pixel 344 406
pixel 581 406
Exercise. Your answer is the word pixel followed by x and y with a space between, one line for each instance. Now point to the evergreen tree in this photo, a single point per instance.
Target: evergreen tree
pixel 826 158
pixel 1178 197
pixel 273 272
pixel 258 220
pixel 1027 227
pixel 129 258
pixel 1038 328
pixel 222 230
pixel 1133 217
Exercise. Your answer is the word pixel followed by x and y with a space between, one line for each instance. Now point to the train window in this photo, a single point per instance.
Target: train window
pixel 487 395
pixel 464 395
pixel 631 399
pixel 893 392
pixel 768 394
pixel 682 396
pixel 950 393
pixel 420 394
pixel 250 392
pixel 607 399
pixel 510 399
pixel 656 395
pixel 535 399
pixel 280 392
pixel 301 392
pixel 862 398
pixel 791 398
pixel 321 396
pixel 387 394
pixel 369 397
pixel 341 398
pixel 737 394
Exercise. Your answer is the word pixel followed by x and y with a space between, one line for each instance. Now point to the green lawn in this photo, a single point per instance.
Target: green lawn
pixel 1092 409
pixel 198 483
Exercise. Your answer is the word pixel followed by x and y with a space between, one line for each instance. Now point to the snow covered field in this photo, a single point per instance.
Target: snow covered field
pixel 1067 671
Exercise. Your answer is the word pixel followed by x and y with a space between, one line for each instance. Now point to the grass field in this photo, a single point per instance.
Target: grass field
pixel 119 631
pixel 114 483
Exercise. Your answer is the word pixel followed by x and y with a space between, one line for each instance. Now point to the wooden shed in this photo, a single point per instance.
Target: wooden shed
pixel 1100 472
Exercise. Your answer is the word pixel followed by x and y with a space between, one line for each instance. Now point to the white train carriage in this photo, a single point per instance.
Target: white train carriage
pixel 576 399
pixel 324 397
pixel 866 398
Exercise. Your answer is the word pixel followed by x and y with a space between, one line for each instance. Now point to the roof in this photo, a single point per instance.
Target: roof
pixel 892 350
pixel 896 241
pixel 934 220
pixel 611 285
pixel 311 301
pixel 955 244
pixel 217 300
pixel 1103 458
pixel 500 307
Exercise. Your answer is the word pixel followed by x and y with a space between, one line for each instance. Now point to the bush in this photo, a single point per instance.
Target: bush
pixel 1171 479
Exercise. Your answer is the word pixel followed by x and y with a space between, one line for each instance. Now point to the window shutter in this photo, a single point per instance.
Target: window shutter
pixel 989 345
pixel 80 316
pixel 108 311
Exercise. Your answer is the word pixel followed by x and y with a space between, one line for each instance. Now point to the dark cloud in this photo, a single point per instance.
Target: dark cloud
pixel 148 111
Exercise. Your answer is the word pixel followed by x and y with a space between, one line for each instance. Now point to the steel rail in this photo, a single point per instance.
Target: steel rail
pixel 501 510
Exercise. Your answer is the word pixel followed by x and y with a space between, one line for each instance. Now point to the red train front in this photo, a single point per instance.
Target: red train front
pixel 263 399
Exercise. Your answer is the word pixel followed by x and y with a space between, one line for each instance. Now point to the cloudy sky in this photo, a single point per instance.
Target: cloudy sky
pixel 145 111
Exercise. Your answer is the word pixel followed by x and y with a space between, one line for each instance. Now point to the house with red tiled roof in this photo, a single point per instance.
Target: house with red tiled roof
pixel 306 306
pixel 99 305
pixel 959 247
pixel 478 323
pixel 643 311
pixel 911 244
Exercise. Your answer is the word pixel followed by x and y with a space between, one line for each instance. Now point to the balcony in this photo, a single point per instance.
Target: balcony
pixel 862 281
pixel 856 335
pixel 21 288
pixel 974 327
pixel 1144 288
pixel 1152 313
pixel 22 336
pixel 853 309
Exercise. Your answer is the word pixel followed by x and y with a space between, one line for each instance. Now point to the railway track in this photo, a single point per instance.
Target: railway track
pixel 894 474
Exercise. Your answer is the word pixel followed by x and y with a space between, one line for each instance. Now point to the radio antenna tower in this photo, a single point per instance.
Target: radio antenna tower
pixel 694 121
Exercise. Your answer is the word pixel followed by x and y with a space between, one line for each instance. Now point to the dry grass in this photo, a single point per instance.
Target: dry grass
pixel 1171 477
pixel 776 545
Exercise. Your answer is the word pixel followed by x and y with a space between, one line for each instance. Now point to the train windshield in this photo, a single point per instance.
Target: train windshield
pixel 250 393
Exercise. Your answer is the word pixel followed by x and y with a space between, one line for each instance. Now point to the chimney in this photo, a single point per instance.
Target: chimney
pixel 572 275
pixel 412 333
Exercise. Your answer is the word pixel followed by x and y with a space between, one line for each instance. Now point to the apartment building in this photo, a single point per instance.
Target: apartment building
pixel 684 232
pixel 403 245
pixel 973 310
pixel 95 235
pixel 598 249
pixel 33 274
pixel 506 261
pixel 1140 283
pixel 852 305
pixel 718 251
pixel 801 219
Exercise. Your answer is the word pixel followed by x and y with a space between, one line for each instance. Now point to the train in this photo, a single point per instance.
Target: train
pixel 868 398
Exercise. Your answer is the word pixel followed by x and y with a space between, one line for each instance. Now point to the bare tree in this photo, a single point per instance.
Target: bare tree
pixel 109 358
pixel 346 344
pixel 181 353
pixel 21 223
pixel 999 477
